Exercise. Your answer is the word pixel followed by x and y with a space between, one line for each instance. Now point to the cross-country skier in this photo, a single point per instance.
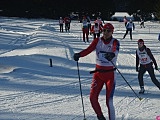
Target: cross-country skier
pixel 96 30
pixel 107 49
pixel 61 21
pixel 125 20
pixel 67 22
pixel 85 29
pixel 130 25
pixel 99 21
pixel 145 58
pixel 142 22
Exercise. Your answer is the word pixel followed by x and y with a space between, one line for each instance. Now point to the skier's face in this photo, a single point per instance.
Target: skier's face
pixel 140 44
pixel 107 33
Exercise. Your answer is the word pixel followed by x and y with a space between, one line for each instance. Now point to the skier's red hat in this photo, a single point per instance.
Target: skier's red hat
pixel 108 26
pixel 140 41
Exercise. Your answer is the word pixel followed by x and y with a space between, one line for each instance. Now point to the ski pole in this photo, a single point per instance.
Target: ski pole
pixel 127 82
pixel 81 91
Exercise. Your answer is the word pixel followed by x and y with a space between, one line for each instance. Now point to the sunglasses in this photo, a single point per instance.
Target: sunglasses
pixel 108 30
pixel 140 43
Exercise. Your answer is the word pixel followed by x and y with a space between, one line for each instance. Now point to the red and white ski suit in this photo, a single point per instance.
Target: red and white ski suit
pixel 101 78
pixel 96 30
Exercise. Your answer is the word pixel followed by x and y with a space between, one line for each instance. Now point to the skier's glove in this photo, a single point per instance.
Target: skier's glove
pixel 109 56
pixel 156 67
pixel 76 56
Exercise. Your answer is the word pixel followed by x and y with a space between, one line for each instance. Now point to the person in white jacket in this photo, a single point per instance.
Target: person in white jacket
pixel 129 26
pixel 61 21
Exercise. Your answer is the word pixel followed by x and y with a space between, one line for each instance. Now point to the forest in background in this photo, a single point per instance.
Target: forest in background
pixel 55 8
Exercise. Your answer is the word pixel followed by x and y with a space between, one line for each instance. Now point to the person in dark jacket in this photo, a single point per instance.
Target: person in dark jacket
pixel 142 22
pixel 145 59
pixel 67 22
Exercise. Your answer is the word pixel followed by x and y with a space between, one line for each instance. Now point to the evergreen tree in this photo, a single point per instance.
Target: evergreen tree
pixel 157 9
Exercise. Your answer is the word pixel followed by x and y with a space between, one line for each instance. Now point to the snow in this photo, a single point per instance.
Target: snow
pixel 32 90
pixel 120 16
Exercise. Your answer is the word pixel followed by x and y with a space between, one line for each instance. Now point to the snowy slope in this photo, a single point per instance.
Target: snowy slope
pixel 32 90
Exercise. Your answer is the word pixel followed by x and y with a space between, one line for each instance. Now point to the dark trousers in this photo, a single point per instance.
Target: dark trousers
pixel 96 34
pixel 130 32
pixel 67 26
pixel 150 70
pixel 142 24
pixel 85 34
pixel 61 27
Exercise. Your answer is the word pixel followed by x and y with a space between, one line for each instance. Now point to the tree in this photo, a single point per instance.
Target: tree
pixel 157 9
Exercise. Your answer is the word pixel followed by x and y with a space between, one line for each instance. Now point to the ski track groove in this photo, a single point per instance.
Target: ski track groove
pixel 28 104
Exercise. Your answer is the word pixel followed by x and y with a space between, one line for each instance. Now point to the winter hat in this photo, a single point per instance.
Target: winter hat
pixel 140 41
pixel 108 26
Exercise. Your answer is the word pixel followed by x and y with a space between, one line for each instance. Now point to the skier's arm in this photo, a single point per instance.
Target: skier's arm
pixel 127 25
pixel 116 46
pixel 152 57
pixel 100 29
pixel 90 48
pixel 137 61
pixel 133 26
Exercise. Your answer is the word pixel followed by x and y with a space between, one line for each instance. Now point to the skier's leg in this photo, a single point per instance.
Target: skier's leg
pixel 130 34
pixel 94 35
pixel 87 33
pixel 152 75
pixel 62 27
pixel 83 35
pixel 98 34
pixel 66 27
pixel 96 87
pixel 125 34
pixel 110 87
pixel 141 72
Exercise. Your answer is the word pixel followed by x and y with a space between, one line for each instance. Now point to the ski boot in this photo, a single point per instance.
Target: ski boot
pixel 142 90
pixel 101 117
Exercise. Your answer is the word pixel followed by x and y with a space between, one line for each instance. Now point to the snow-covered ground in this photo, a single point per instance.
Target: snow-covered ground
pixel 32 90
